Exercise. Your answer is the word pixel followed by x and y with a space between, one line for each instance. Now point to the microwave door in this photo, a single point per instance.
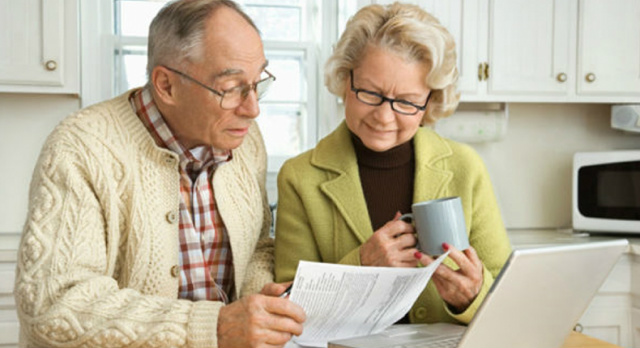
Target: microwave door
pixel 610 191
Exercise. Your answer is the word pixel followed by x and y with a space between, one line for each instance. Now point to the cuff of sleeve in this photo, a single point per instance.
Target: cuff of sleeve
pixel 352 258
pixel 466 316
pixel 202 330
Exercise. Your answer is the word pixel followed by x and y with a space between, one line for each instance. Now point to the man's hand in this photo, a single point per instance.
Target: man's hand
pixel 275 289
pixel 260 320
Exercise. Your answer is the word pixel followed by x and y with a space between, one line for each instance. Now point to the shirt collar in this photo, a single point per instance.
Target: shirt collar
pixel 196 158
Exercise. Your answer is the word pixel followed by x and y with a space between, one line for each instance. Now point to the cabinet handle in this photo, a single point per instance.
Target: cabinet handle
pixel 483 71
pixel 51 65
pixel 590 77
pixel 578 328
pixel 562 77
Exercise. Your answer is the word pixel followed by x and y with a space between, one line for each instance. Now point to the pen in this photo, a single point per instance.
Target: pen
pixel 287 291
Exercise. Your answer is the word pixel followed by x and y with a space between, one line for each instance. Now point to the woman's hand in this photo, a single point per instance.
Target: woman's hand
pixel 458 288
pixel 393 245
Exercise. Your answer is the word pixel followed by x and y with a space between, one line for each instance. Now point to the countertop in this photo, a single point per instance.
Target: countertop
pixel 532 238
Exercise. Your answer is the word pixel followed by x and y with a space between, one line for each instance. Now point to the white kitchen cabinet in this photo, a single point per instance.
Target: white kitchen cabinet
pixel 561 51
pixel 609 314
pixel 9 327
pixel 39 46
pixel 8 317
pixel 609 48
pixel 614 312
pixel 635 295
pixel 543 51
pixel 530 47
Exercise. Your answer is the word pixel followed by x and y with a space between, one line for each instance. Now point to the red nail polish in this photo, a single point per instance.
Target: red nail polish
pixel 418 255
pixel 445 246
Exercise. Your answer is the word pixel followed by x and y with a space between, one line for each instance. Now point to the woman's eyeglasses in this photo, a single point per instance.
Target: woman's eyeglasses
pixel 398 105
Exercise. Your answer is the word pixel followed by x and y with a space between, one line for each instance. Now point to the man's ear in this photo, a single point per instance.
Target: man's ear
pixel 163 82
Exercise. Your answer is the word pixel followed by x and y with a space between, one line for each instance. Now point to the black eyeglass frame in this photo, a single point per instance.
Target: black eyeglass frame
pixel 244 91
pixel 383 99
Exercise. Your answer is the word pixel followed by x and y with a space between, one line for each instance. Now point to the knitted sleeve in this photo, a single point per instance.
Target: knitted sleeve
pixel 66 294
pixel 487 232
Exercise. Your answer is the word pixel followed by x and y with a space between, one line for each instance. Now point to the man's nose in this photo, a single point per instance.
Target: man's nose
pixel 249 106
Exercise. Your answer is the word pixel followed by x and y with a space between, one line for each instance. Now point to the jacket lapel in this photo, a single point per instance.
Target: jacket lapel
pixel 343 185
pixel 432 175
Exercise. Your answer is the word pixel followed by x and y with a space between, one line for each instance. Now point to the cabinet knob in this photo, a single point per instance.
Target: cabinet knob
pixel 481 71
pixel 590 77
pixel 51 65
pixel 578 328
pixel 561 77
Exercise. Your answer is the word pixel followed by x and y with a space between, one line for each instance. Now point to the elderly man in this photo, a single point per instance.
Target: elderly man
pixel 148 220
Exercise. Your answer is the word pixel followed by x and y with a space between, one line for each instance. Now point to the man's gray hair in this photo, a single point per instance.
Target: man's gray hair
pixel 177 31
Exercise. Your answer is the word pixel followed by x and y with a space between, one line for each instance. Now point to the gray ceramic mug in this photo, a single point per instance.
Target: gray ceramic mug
pixel 439 221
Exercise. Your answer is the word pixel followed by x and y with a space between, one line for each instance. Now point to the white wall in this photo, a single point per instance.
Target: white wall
pixel 530 168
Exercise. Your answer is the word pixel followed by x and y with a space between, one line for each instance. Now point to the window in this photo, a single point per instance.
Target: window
pixel 291 31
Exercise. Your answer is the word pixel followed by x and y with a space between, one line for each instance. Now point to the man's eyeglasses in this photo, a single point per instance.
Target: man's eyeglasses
pixel 233 97
pixel 398 105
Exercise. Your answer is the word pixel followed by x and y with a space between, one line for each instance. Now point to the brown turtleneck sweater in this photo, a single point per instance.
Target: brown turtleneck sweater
pixel 387 180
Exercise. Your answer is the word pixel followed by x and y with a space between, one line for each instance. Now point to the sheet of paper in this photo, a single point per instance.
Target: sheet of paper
pixel 343 301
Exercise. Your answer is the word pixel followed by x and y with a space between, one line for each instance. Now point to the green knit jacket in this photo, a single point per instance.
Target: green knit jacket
pixel 322 214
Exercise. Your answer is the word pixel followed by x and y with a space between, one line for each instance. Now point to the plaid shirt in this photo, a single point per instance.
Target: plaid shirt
pixel 206 261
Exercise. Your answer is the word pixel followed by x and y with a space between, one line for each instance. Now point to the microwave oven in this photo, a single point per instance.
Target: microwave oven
pixel 606 191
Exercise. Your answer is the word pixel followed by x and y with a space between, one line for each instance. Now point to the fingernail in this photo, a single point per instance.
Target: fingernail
pixel 445 246
pixel 418 255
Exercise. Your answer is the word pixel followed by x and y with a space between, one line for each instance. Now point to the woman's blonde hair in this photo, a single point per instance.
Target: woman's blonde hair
pixel 410 32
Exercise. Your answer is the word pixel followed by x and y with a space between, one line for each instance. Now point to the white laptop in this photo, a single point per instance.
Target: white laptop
pixel 535 302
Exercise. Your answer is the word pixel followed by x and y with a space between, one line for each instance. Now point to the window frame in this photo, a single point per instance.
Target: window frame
pixel 99 67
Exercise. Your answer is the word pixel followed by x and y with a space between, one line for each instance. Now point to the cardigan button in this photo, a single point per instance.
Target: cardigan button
pixel 172 217
pixel 175 271
pixel 421 313
pixel 169 159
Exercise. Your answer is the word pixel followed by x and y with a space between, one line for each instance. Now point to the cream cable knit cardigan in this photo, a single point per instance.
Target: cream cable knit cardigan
pixel 101 236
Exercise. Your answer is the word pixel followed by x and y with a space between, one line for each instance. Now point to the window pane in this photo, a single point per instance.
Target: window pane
pixel 280 127
pixel 290 84
pixel 131 65
pixel 278 20
pixel 135 16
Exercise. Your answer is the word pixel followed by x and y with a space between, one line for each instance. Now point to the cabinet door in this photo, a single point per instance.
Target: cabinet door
pixel 531 47
pixel 609 47
pixel 9 327
pixel 461 20
pixel 39 46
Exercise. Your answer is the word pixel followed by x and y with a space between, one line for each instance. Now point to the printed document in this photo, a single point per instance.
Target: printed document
pixel 343 301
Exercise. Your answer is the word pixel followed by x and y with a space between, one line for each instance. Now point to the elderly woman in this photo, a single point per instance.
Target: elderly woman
pixel 395 69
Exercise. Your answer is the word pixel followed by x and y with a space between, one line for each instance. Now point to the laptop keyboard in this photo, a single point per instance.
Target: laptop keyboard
pixel 436 342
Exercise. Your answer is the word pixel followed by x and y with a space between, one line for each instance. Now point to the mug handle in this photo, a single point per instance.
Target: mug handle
pixel 408 217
